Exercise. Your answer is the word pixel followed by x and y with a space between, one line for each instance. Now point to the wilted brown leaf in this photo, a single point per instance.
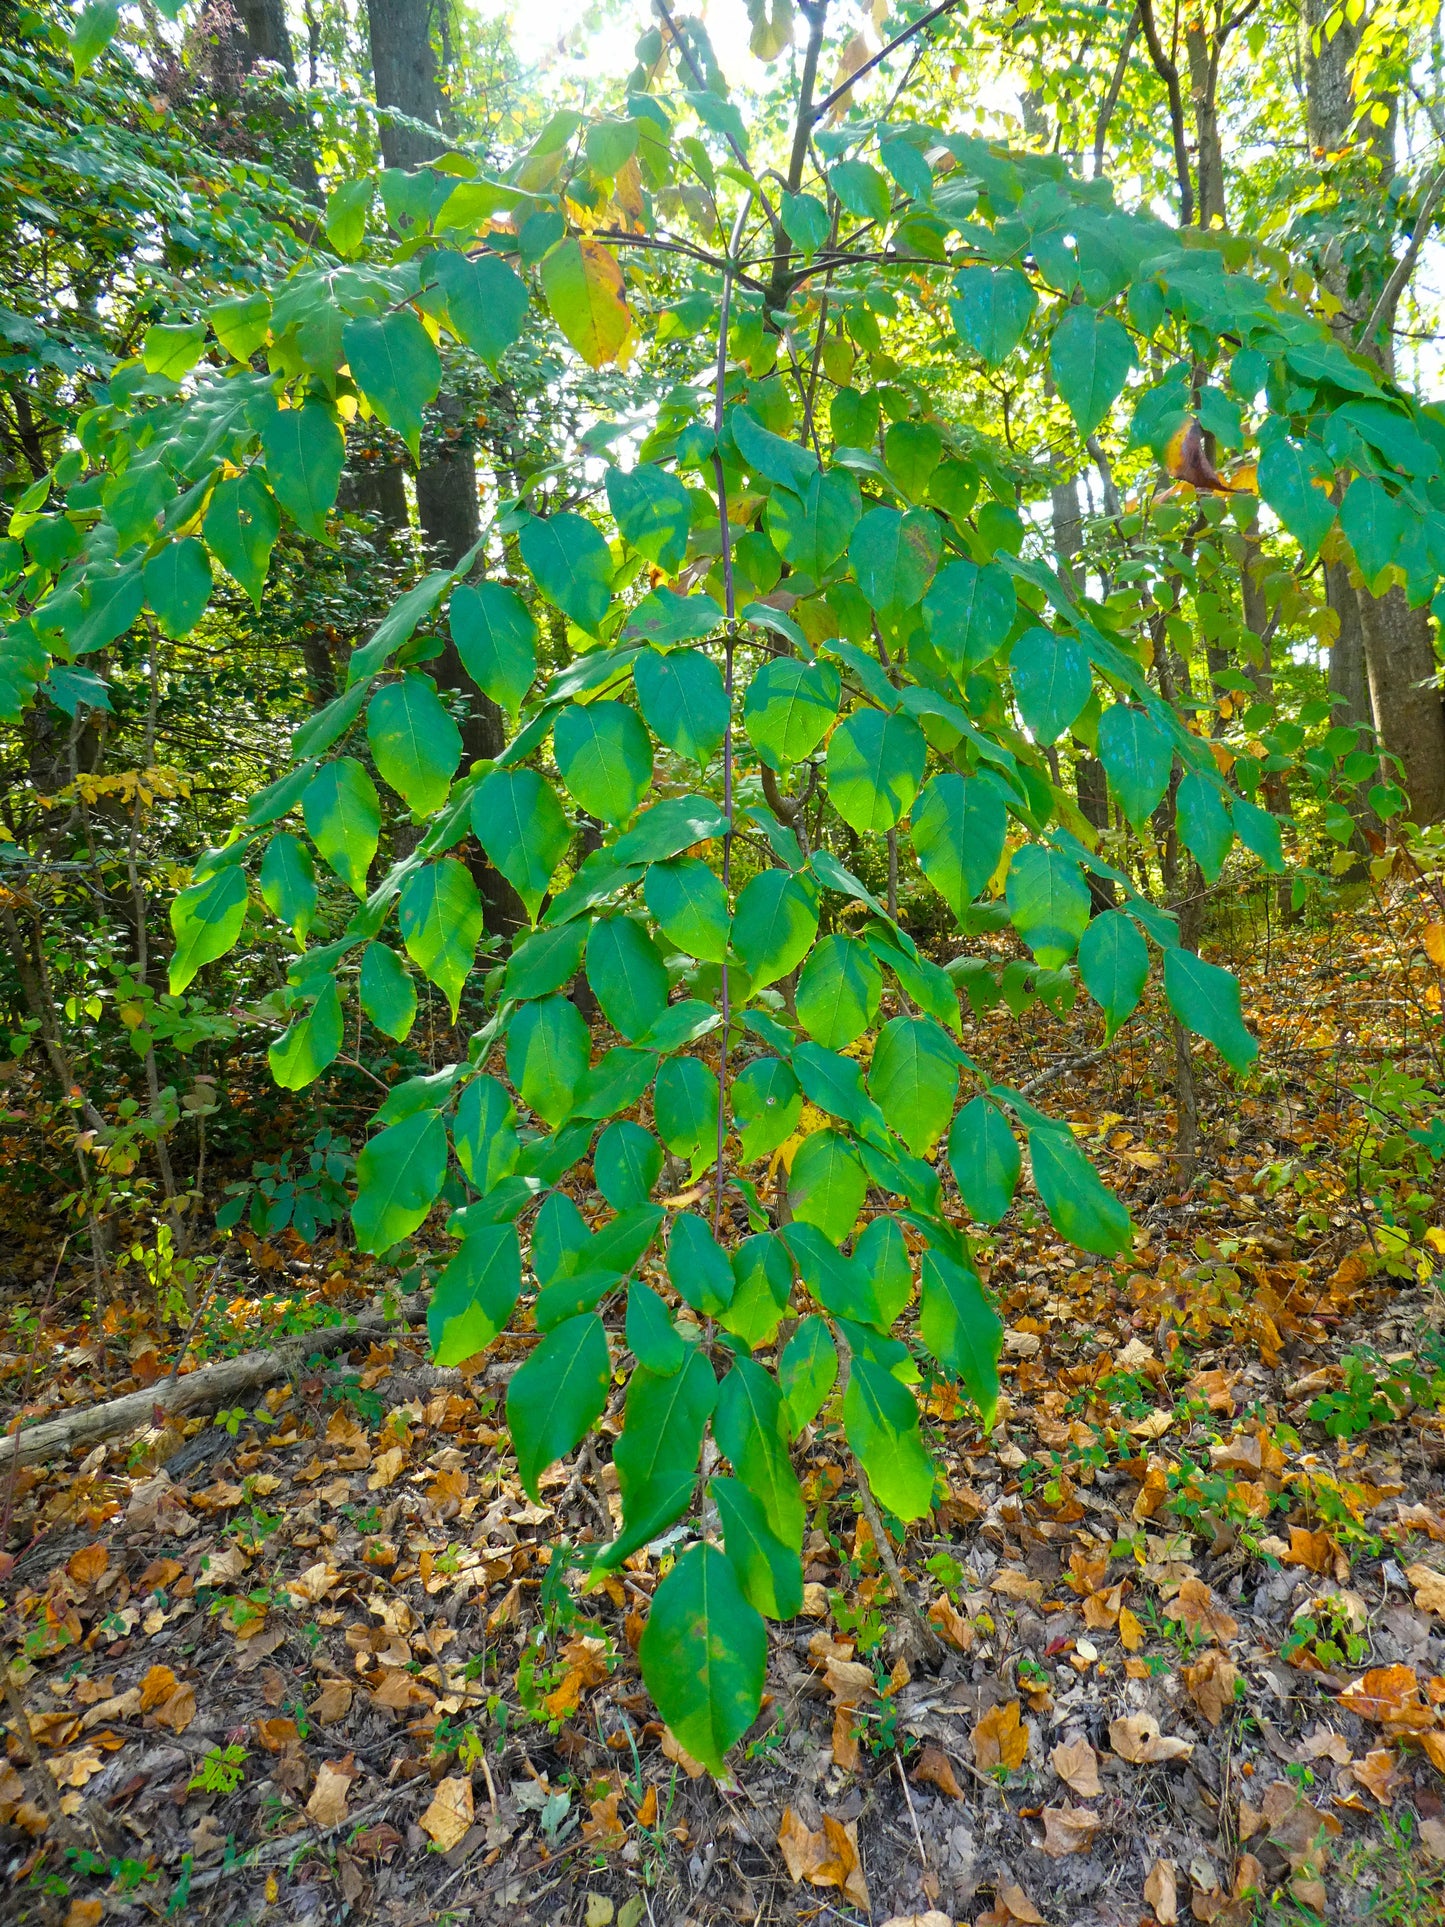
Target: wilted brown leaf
pixel 1077 1765
pixel 327 1805
pixel 1195 1606
pixel 934 1766
pixel 1161 1892
pixel 449 1817
pixel 674 1750
pixel 1069 1830
pixel 332 1703
pixel 1137 1739
pixel 1011 1904
pixel 1376 1773
pixel 1012 1584
pixel 826 1859
pixel 89 1564
pixel 157 1686
pixel 947 1620
pixel 1429 1588
pixel 278 1735
pixel 1000 1739
pixel 1210 1682
pixel 1389 1696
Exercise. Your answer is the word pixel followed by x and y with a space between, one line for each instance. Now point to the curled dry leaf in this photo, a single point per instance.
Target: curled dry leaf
pixel 332 1703
pixel 674 1750
pixel 1195 1606
pixel 1429 1588
pixel 826 1859
pixel 1000 1739
pixel 449 1817
pixel 933 1918
pixel 1011 1904
pixel 1069 1830
pixel 89 1564
pixel 327 1805
pixel 1161 1892
pixel 949 1622
pixel 935 1768
pixel 1376 1774
pixel 1389 1696
pixel 1137 1739
pixel 1211 1681
pixel 1077 1765
pixel 1017 1585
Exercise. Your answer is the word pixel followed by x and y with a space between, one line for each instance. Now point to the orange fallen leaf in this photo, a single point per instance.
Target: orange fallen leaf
pixel 826 1859
pixel 1315 1551
pixel 1435 944
pixel 1429 1585
pixel 647 1812
pixel 278 1736
pixel 1376 1774
pixel 157 1686
pixel 1137 1739
pixel 1131 1630
pixel 1161 1892
pixel 89 1564
pixel 674 1750
pixel 1194 1605
pixel 1011 1904
pixel 85 1913
pixel 1000 1739
pixel 1012 1584
pixel 935 1768
pixel 1388 1696
pixel 1210 1682
pixel 947 1620
pixel 1077 1765
pixel 327 1805
pixel 449 1817
pixel 1069 1830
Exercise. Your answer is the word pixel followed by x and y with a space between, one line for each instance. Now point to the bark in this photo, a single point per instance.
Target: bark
pixel 1203 57
pixel 1400 662
pixel 267 35
pixel 377 488
pixel 1255 604
pixel 209 1389
pixel 405 76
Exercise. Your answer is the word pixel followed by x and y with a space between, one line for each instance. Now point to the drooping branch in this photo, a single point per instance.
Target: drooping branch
pixel 1116 86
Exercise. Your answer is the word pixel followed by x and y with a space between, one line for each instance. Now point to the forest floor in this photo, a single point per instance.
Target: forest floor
pixel 1173 1649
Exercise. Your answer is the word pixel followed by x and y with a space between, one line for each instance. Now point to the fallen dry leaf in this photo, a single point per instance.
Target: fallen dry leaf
pixel 1432 1838
pixel 1210 1682
pixel 1131 1630
pixel 84 1913
pixel 935 1768
pixel 674 1750
pixel 826 1859
pixel 1137 1739
pixel 1161 1893
pixel 1017 1585
pixel 1077 1765
pixel 332 1703
pixel 327 1805
pixel 1069 1830
pixel 89 1564
pixel 931 1919
pixel 157 1686
pixel 1389 1696
pixel 946 1619
pixel 1195 1606
pixel 1376 1774
pixel 1011 1904
pixel 449 1817
pixel 1000 1739
pixel 1429 1588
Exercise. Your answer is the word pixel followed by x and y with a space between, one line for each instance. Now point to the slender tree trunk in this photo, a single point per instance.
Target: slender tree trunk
pixel 1401 665
pixel 267 35
pixel 1091 786
pixel 1203 57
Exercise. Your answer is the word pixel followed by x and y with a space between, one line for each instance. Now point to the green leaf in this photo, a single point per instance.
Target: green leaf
pixel 969 611
pixel 617 1082
pixel 496 639
pixel 1049 903
pixel 343 819
pixel 206 920
pixel 880 1417
pixel 653 511
pixel 704 1655
pixel 627 975
pixel 242 324
pixel 483 1133
pixel 683 699
pixel 689 904
pixel 861 189
pixel 476 1294
pixel 1295 480
pixel 547 961
pixel 1204 822
pixel 842 1285
pixel 92 33
pixel 652 1337
pixel 519 823
pixel 1136 755
pixel 1114 967
pixel 486 301
pixel 961 1329
pixel 992 310
pixel 774 925
pixel 554 1398
pixel 604 757
pixel 398 1177
pixel 839 991
pixel 766 1104
pixel 440 915
pixel 585 291
pixel 806 220
pixel 1259 833
pixel 884 1256
pixel 764 1282
pixel 667 827
pixel 241 527
pixel 750 1430
pixel 665 618
pixel 698 1267
pixel 288 882
pixel 305 451
pixel 387 994
pixel 875 765
pixel 626 1163
pixel 1052 682
pixel 1205 999
pixel 1374 524
pixel 172 349
pixel 959 828
pixel 770 1573
pixel 893 557
pixel 547 1052
pixel 827 1184
pixel 395 364
pixel 684 1109
pixel 789 707
pixel 985 1159
pixel 572 566
pixel 1090 356
pixel 913 1079
pixel 346 210
pixel 1079 1205
pixel 302 1052
pixel 807 1370
pixel 912 451
pixel 178 586
pixel 810 530
pixel 416 744
pixel 657 1452
pixel 772 456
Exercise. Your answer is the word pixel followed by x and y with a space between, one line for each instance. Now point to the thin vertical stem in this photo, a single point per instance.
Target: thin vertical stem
pixel 730 608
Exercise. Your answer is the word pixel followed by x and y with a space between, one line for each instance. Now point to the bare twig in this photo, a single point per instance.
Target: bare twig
pixel 937 13
pixel 1384 308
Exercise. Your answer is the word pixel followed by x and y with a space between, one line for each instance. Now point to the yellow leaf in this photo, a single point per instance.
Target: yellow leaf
pixel 1435 944
pixel 449 1817
pixel 585 292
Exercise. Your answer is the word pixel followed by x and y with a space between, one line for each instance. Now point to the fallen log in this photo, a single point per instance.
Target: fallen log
pixel 207 1389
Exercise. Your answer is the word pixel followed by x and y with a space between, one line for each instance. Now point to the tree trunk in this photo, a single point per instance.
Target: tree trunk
pixel 267 35
pixel 405 76
pixel 1203 89
pixel 1400 662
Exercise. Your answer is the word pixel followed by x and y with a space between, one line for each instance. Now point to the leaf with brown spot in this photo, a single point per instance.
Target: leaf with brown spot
pixel 1137 1739
pixel 934 1768
pixel 1077 1765
pixel 1000 1739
